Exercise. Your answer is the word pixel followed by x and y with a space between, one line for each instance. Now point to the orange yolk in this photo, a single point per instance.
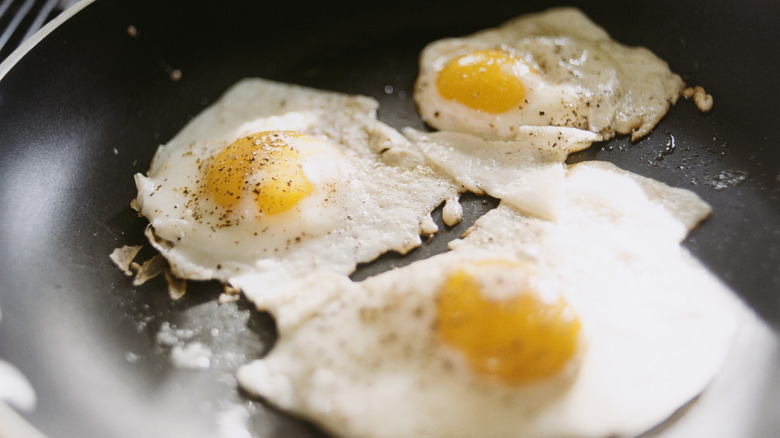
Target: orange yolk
pixel 517 340
pixel 263 166
pixel 480 81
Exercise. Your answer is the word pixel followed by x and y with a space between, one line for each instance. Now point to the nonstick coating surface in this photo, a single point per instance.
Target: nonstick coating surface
pixel 85 109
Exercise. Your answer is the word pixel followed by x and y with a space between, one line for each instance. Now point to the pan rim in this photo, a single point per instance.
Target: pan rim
pixel 38 36
pixel 13 422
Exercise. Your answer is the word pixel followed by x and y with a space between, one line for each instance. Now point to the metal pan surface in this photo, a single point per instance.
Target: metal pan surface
pixel 84 106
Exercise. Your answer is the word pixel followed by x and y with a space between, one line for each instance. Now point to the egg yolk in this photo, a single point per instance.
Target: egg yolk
pixel 517 340
pixel 264 166
pixel 481 81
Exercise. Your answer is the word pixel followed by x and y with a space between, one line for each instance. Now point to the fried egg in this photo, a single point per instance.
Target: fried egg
pixel 526 172
pixel 281 180
pixel 526 328
pixel 554 67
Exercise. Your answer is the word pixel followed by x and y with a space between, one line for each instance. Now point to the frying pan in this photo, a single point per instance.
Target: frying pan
pixel 84 105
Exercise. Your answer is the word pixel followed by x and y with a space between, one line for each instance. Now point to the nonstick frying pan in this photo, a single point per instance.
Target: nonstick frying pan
pixel 84 105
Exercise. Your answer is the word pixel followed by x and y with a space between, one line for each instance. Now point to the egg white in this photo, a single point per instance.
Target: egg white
pixel 526 172
pixel 583 79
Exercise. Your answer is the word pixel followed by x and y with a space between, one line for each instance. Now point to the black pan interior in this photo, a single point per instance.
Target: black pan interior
pixel 85 109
